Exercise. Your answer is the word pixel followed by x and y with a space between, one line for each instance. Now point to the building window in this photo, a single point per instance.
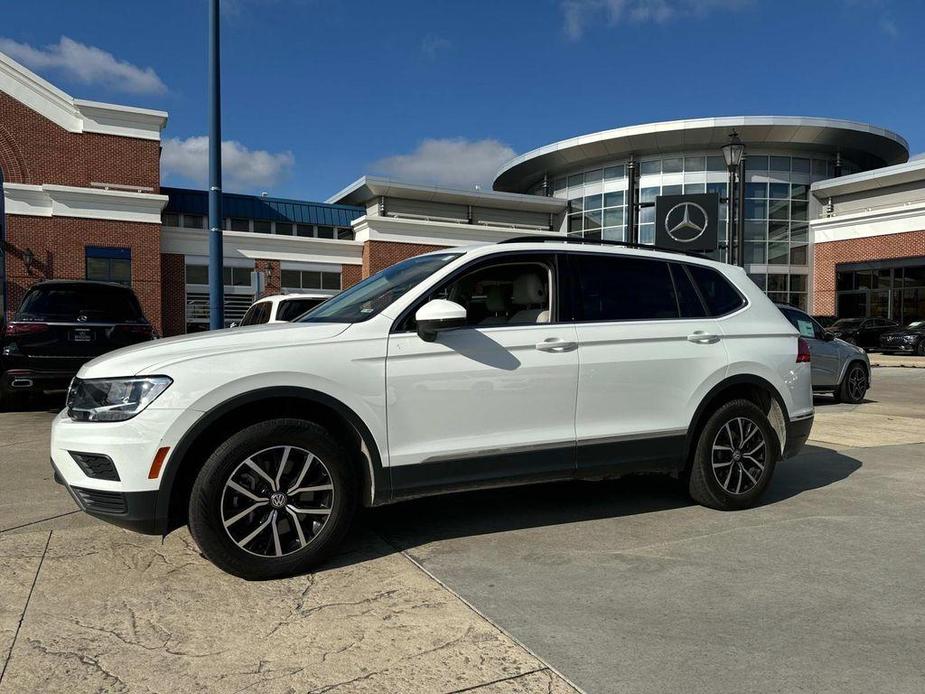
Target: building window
pixel 325 232
pixel 310 279
pixel 237 224
pixel 304 230
pixel 193 221
pixel 263 226
pixel 109 264
pixel 345 234
pixel 284 228
pixel 170 219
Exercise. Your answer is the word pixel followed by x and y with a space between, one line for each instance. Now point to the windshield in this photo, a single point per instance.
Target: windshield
pixel 364 300
pixel 847 322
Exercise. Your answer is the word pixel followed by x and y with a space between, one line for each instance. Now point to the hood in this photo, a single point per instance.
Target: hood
pixel 900 333
pixel 147 357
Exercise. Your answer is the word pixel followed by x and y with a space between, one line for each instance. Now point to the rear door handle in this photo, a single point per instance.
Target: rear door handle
pixel 556 344
pixel 701 338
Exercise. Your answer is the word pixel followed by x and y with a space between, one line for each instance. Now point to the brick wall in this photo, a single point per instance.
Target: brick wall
pixel 58 245
pixel 35 150
pixel 378 255
pixel 173 293
pixel 829 254
pixel 273 278
pixel 350 275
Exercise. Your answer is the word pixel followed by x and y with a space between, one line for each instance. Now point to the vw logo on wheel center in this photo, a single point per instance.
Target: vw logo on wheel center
pixel 686 222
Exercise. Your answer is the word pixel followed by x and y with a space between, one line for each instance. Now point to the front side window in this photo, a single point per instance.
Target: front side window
pixel 507 293
pixel 616 288
pixel 367 298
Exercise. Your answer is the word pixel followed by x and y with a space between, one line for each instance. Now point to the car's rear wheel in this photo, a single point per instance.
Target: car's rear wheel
pixel 853 387
pixel 273 500
pixel 920 349
pixel 735 457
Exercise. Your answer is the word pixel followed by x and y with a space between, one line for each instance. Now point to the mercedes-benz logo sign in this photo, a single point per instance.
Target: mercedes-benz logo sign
pixel 686 222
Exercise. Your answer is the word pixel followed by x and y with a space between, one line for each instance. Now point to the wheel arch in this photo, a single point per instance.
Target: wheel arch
pixel 191 451
pixel 747 386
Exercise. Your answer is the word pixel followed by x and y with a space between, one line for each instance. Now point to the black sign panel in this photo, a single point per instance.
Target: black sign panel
pixel 687 222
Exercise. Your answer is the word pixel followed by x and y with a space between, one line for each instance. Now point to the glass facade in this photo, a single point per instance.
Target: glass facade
pixel 897 292
pixel 777 243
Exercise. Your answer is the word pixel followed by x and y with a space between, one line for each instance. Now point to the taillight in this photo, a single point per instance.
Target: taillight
pixel 803 355
pixel 19 329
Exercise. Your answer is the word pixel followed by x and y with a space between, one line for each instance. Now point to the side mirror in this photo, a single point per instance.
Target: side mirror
pixel 827 336
pixel 437 315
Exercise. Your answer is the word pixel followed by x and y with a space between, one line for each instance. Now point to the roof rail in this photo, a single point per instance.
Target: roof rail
pixel 536 238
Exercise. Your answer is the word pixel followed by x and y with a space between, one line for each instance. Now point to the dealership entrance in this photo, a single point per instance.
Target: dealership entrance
pixel 892 289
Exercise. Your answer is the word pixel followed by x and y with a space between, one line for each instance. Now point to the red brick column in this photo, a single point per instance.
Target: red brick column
pixel 274 281
pixel 350 275
pixel 378 255
pixel 173 293
pixel 827 255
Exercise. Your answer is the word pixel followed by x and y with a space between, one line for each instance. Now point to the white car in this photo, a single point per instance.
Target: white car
pixel 496 365
pixel 280 308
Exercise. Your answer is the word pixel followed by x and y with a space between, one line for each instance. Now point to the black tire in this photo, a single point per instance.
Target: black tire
pixel 853 386
pixel 705 485
pixel 207 499
pixel 920 348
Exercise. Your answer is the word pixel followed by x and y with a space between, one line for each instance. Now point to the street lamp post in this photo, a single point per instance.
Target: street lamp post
pixel 733 153
pixel 216 250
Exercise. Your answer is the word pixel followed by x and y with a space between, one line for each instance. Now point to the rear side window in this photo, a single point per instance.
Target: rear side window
pixel 293 308
pixel 87 302
pixel 720 296
pixel 690 304
pixel 257 314
pixel 612 288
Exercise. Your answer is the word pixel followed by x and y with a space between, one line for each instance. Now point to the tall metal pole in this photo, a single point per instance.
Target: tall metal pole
pixel 632 211
pixel 730 217
pixel 740 218
pixel 216 250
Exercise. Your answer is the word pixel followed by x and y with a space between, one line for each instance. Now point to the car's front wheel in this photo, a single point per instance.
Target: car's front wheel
pixel 734 458
pixel 920 349
pixel 273 500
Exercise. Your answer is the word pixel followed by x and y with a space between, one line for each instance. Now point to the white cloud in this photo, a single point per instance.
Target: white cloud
pixel 578 14
pixel 86 64
pixel 448 161
pixel 243 169
pixel 432 45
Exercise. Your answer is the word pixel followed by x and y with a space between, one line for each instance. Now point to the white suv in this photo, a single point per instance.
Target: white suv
pixel 503 364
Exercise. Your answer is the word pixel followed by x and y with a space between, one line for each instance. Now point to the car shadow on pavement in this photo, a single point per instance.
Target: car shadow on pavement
pixel 421 521
pixel 828 400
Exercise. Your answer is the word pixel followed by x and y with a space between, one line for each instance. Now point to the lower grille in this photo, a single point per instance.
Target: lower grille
pixel 104 502
pixel 96 465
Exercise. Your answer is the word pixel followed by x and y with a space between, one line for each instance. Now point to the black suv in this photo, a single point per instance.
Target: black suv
pixel 60 325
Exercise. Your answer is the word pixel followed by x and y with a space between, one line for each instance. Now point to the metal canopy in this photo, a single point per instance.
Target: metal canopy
pixel 865 145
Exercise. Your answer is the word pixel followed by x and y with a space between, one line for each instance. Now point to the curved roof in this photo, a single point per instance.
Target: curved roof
pixel 866 145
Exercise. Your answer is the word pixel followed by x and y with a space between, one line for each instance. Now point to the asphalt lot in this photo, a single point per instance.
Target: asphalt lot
pixel 620 586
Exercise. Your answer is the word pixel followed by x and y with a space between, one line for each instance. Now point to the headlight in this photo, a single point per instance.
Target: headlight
pixel 113 400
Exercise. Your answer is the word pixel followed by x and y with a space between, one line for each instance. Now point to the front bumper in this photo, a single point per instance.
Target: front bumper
pixel 131 499
pixel 797 433
pixel 132 510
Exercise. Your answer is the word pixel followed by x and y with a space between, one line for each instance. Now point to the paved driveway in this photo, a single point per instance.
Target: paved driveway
pixel 621 586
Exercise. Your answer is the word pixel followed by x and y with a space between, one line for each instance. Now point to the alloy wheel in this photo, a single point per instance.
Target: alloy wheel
pixel 857 384
pixel 277 500
pixel 739 455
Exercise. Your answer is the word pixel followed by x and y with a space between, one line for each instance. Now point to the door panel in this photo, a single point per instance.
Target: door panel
pixel 481 404
pixel 641 380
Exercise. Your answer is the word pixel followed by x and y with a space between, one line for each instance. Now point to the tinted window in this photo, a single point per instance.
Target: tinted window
pixel 802 322
pixel 688 301
pixel 509 293
pixel 623 288
pixel 721 297
pixel 256 314
pixel 66 302
pixel 293 308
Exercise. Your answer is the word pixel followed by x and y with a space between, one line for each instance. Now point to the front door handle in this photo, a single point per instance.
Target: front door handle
pixel 701 338
pixel 556 344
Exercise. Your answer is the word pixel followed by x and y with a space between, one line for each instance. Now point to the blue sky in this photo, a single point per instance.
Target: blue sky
pixel 319 92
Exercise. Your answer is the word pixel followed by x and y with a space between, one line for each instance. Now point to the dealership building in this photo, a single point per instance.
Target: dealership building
pixel 834 212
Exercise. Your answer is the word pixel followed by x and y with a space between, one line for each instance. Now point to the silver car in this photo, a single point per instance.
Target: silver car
pixel 838 367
